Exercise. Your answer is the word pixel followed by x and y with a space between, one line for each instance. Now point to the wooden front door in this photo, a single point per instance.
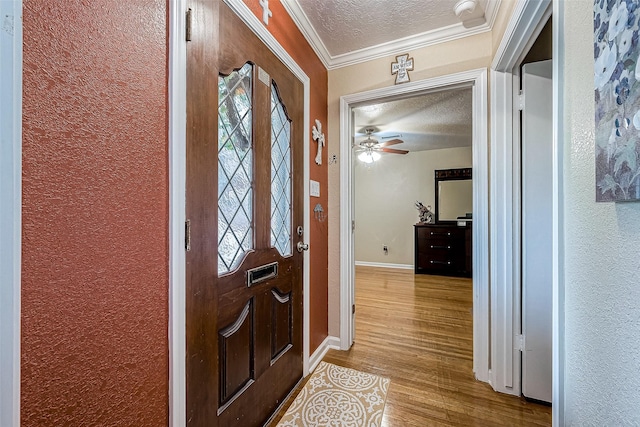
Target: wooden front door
pixel 244 207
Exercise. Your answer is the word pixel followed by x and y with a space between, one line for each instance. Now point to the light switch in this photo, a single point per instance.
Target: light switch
pixel 314 188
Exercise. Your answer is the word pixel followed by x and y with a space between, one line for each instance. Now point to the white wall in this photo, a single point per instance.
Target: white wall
pixel 385 196
pixel 602 257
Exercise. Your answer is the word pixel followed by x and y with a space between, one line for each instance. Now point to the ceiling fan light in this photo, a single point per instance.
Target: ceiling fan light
pixel 369 156
pixel 369 143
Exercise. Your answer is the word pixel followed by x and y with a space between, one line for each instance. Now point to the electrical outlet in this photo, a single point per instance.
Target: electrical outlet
pixel 385 249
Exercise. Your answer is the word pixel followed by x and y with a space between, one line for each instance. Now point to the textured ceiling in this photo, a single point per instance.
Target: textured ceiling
pixel 426 122
pixel 345 26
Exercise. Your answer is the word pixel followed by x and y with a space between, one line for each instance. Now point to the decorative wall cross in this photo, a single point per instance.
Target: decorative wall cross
pixel 266 13
pixel 401 68
pixel 318 136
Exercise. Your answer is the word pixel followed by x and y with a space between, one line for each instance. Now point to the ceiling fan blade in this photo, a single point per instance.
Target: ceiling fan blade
pixel 392 150
pixel 392 142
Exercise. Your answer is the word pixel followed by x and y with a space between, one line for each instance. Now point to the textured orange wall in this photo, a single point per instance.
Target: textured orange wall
pixel 95 218
pixel 285 31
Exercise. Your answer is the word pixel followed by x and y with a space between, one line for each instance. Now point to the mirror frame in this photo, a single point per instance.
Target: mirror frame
pixel 448 175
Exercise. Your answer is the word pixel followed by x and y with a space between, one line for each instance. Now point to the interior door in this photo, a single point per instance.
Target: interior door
pixel 537 231
pixel 244 206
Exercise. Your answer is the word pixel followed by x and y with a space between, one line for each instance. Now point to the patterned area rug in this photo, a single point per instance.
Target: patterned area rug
pixel 338 397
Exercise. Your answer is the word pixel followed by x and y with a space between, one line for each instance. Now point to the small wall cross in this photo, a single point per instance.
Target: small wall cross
pixel 401 68
pixel 266 13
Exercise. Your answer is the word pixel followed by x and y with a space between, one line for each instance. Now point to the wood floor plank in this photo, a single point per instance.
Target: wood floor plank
pixel 417 330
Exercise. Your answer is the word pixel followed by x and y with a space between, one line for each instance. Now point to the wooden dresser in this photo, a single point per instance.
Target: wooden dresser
pixel 443 249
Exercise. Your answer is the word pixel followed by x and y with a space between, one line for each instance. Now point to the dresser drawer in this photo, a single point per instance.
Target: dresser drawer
pixel 434 246
pixel 440 234
pixel 435 260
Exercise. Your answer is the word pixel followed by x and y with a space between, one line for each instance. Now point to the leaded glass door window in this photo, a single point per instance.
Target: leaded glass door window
pixel 235 168
pixel 280 176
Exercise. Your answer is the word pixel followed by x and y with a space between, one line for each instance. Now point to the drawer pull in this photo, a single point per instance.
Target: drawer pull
pixel 448 233
pixel 448 247
pixel 440 262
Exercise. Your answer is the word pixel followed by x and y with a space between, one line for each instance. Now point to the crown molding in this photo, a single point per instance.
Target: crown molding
pixel 491 12
pixel 302 22
pixel 417 41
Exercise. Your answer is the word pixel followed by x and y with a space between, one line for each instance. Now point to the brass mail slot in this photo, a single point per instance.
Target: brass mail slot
pixel 262 273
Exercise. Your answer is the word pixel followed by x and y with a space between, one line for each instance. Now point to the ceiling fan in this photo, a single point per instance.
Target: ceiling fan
pixel 370 148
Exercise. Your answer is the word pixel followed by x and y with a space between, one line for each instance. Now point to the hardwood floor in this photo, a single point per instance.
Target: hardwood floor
pixel 417 331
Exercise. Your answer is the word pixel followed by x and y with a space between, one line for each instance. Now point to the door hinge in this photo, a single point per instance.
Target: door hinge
pixel 187 235
pixel 353 309
pixel 521 100
pixel 519 342
pixel 353 225
pixel 188 26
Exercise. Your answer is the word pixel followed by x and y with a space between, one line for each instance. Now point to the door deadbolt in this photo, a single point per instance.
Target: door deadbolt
pixel 300 230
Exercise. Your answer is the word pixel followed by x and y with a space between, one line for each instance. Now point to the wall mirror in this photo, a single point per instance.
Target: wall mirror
pixel 454 194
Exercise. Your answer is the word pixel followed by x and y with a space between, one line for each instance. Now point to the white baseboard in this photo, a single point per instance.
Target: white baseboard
pixel 384 265
pixel 328 343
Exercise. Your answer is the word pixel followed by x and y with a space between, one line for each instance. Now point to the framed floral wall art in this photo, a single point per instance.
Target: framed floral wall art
pixel 617 99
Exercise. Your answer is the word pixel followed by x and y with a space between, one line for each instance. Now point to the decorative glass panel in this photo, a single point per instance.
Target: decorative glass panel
pixel 280 176
pixel 235 168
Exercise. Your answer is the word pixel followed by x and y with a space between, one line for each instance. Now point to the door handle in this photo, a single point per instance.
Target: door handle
pixel 302 246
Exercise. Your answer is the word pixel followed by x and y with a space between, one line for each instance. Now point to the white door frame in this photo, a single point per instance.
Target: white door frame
pixel 477 80
pixel 557 412
pixel 527 20
pixel 10 208
pixel 177 213
pixel 177 193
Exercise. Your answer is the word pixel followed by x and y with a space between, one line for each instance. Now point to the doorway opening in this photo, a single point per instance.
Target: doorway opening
pixel 178 175
pixel 476 81
pixel 398 146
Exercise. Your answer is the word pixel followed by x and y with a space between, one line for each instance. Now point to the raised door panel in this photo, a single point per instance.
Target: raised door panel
pixel 282 322
pixel 237 347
